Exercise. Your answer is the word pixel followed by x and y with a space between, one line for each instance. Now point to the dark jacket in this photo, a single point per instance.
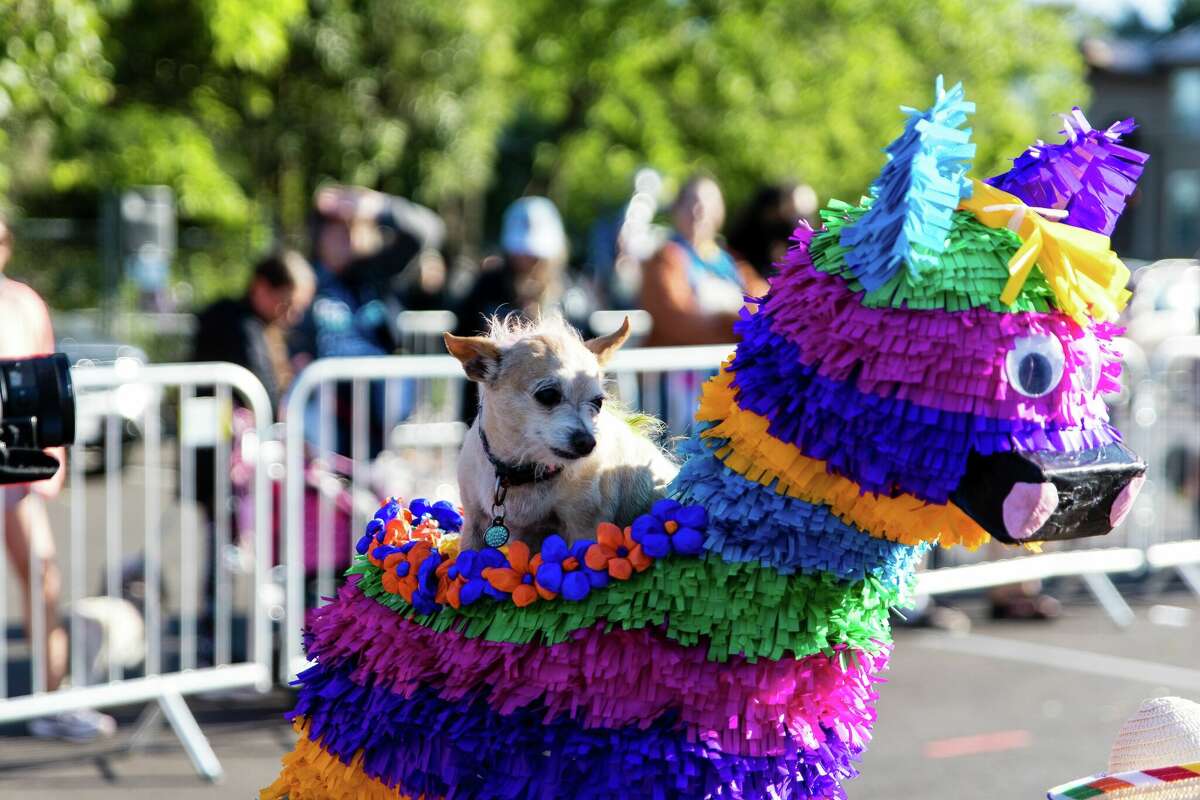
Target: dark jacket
pixel 229 330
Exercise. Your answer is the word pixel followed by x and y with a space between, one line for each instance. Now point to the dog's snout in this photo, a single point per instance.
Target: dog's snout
pixel 583 442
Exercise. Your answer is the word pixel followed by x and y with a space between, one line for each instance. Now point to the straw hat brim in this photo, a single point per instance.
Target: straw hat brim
pixel 1180 782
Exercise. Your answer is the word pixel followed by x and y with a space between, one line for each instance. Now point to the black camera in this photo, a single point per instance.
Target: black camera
pixel 37 410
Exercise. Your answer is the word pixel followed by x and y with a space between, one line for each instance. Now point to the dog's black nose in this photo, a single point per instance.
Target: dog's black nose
pixel 583 442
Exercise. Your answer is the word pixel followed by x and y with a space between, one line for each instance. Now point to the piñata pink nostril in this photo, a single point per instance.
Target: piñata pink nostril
pixel 1027 508
pixel 1124 502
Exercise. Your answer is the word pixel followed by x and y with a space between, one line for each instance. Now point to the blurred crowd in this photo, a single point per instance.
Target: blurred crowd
pixel 372 256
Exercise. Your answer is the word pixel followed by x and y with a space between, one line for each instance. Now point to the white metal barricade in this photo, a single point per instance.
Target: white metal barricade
pixel 1175 421
pixel 120 654
pixel 656 381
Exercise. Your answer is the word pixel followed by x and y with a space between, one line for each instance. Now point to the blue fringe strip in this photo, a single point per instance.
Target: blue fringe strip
pixel 752 522
pixel 915 194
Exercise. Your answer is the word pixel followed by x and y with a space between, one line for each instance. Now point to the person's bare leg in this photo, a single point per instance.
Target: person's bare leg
pixel 26 528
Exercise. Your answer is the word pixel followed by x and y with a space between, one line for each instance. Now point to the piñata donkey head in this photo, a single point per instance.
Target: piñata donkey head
pixel 949 341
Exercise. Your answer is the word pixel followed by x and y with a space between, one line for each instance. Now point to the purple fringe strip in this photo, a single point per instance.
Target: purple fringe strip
pixel 1091 175
pixel 950 361
pixel 423 744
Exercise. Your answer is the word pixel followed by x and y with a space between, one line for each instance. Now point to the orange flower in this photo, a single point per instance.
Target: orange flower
pixel 616 551
pixel 427 531
pixel 395 534
pixel 448 588
pixel 519 577
pixel 400 570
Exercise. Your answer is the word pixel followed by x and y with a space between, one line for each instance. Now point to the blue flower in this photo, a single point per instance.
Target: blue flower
pixel 671 527
pixel 468 565
pixel 389 510
pixel 384 550
pixel 423 598
pixel 596 578
pixel 448 518
pixel 419 508
pixel 550 572
pixel 374 533
pixel 563 569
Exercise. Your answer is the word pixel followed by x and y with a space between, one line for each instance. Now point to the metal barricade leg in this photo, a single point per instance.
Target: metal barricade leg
pixel 190 736
pixel 1191 576
pixel 1102 588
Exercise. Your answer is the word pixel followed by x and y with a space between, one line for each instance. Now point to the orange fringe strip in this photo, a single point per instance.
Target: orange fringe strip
pixel 310 773
pixel 758 456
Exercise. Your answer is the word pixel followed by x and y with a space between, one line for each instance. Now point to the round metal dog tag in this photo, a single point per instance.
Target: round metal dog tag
pixel 496 535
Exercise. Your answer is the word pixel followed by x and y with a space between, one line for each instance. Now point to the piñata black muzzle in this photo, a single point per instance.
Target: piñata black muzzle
pixel 1049 496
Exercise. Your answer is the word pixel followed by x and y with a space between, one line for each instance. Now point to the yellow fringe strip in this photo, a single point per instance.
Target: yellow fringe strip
pixel 310 773
pixel 758 456
pixel 1086 276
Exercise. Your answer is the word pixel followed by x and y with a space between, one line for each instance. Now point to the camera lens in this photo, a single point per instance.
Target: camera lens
pixel 37 401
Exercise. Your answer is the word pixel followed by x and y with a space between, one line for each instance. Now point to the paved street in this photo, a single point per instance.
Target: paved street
pixel 1001 713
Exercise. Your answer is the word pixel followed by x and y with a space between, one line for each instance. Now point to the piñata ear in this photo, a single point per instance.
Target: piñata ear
pixel 915 195
pixel 1091 175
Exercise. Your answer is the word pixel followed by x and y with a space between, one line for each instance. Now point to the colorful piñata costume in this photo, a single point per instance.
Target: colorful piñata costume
pixel 916 370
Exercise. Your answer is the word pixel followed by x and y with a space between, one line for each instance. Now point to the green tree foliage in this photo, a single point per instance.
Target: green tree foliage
pixel 754 91
pixel 406 97
pixel 52 72
pixel 244 108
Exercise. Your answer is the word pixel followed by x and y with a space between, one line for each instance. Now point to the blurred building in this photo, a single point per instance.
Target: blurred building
pixel 1156 80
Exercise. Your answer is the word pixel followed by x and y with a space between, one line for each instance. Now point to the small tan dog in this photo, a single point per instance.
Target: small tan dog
pixel 544 454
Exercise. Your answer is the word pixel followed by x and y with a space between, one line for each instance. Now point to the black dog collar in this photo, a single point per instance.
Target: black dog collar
pixel 510 475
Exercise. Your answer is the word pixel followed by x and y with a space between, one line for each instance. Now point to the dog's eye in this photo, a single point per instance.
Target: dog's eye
pixel 597 402
pixel 549 397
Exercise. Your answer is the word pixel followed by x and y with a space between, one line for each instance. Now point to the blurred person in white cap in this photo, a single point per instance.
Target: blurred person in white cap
pixel 25 330
pixel 1156 756
pixel 529 275
pixel 527 278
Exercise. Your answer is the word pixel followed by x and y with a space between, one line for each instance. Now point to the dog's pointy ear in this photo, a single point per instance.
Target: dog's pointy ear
pixel 480 356
pixel 605 346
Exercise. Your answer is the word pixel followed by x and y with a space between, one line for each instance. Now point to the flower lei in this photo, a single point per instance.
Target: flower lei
pixel 418 551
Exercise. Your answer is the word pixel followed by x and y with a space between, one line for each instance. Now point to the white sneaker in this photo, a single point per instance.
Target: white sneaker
pixel 79 726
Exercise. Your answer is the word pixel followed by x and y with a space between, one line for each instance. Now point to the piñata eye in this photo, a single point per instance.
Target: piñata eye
pixel 1087 350
pixel 1034 365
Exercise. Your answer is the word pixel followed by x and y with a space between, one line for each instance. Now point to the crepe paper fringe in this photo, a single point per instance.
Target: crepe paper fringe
pixel 609 679
pixel 753 523
pixel 916 194
pixel 935 359
pixel 971 273
pixel 1087 277
pixel 310 773
pixel 728 609
pixel 1090 175
pixel 424 745
pixel 741 440
pixel 886 444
